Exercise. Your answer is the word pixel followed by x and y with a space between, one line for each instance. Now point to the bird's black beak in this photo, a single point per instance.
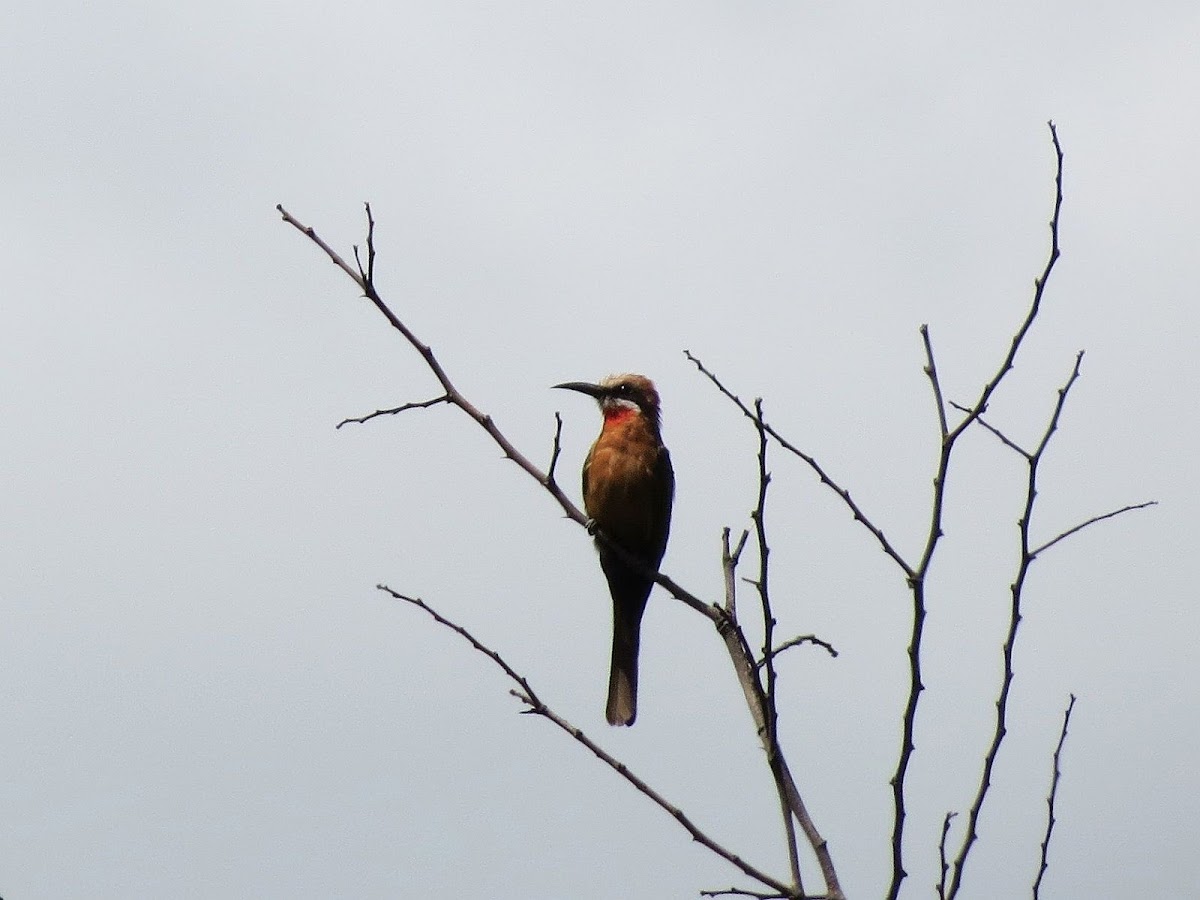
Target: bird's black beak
pixel 592 390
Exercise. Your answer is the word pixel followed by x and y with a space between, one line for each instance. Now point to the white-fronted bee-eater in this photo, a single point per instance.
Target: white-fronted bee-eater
pixel 628 489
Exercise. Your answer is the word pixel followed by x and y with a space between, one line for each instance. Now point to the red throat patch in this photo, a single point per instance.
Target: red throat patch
pixel 617 413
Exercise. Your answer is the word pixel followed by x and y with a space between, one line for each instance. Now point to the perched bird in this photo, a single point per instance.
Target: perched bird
pixel 628 488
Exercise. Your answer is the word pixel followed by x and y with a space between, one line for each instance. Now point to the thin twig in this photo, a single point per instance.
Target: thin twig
pixel 557 448
pixel 1000 435
pixel 1054 781
pixel 1063 535
pixel 420 404
pixel 1039 286
pixel 811 462
pixel 468 637
pixel 945 866
pixel 931 371
pixel 369 275
pixel 1092 521
pixel 797 641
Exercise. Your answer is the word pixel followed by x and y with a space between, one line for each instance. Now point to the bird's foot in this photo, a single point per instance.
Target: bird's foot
pixel 592 527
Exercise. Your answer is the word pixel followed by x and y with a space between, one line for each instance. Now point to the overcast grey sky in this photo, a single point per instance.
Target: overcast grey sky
pixel 201 692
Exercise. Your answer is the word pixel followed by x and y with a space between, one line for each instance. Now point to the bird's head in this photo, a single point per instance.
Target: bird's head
pixel 621 394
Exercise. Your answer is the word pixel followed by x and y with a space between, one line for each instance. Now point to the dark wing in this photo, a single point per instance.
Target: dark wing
pixel 664 479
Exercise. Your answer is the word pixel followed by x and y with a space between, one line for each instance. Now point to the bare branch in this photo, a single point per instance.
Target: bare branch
pixel 1000 435
pixel 797 641
pixel 1054 780
pixel 312 235
pixel 557 448
pixel 729 561
pixel 1060 405
pixel 469 638
pixel 741 656
pixel 771 738
pixel 1039 286
pixel 855 509
pixel 917 580
pixel 369 275
pixel 421 404
pixel 759 895
pixel 931 371
pixel 540 709
pixel 537 706
pixel 1092 521
pixel 945 866
pixel 1016 591
pixel 1008 442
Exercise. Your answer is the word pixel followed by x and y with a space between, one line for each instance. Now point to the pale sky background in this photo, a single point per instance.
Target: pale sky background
pixel 201 692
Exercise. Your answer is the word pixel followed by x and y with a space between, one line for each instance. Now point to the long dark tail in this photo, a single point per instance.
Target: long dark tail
pixel 623 673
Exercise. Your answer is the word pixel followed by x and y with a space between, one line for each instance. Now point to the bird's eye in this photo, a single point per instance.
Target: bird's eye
pixel 623 389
